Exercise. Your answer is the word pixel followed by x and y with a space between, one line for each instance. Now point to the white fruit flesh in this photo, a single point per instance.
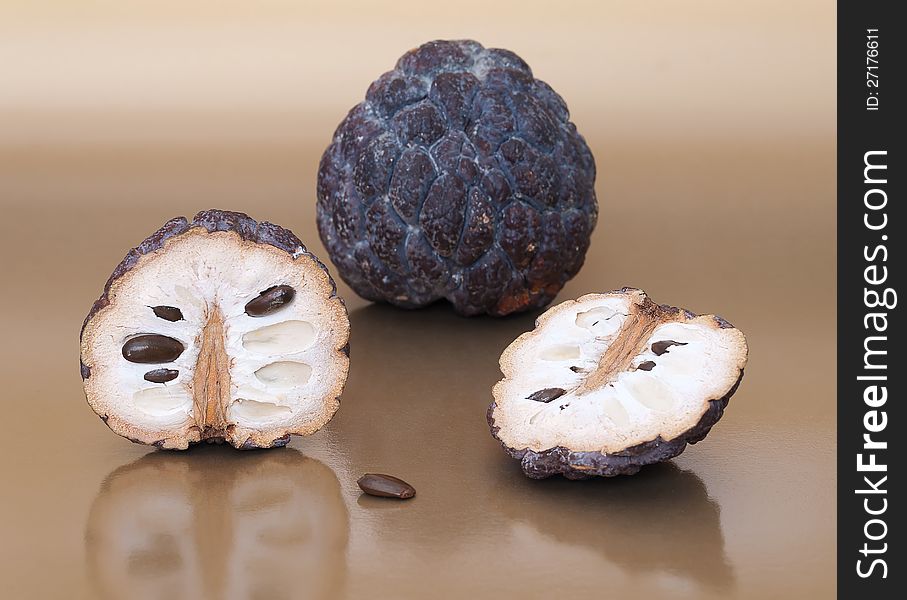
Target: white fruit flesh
pixel 240 377
pixel 592 349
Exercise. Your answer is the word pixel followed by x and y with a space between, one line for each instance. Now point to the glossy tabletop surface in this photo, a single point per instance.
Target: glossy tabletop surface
pixel 713 130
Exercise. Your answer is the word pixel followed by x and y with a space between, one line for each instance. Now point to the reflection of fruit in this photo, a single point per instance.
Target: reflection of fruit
pixel 660 520
pixel 212 525
pixel 610 382
pixel 461 177
pixel 219 328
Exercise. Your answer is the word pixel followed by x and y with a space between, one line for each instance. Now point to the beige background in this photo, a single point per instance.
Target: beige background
pixel 712 123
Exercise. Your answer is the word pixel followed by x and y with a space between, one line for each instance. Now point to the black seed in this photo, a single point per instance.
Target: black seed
pixel 152 348
pixel 161 375
pixel 168 313
pixel 577 369
pixel 270 300
pixel 547 394
pixel 646 366
pixel 661 347
pixel 385 486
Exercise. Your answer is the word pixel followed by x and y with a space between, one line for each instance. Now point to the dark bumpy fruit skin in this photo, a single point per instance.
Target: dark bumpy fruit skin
pixel 213 220
pixel 461 177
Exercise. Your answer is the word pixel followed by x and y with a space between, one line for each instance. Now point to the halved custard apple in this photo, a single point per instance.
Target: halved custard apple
pixel 219 328
pixel 610 382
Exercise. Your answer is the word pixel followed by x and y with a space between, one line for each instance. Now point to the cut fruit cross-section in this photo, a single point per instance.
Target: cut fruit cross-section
pixel 610 382
pixel 219 328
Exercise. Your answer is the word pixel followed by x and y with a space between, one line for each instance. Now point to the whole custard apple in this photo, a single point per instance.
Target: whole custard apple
pixel 461 177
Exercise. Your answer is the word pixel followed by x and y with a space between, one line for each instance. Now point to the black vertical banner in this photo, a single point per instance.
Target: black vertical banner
pixel 871 368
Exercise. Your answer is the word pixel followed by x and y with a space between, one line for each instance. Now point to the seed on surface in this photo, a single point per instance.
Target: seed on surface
pixel 661 347
pixel 152 348
pixel 646 366
pixel 385 486
pixel 161 375
pixel 547 394
pixel 271 300
pixel 168 313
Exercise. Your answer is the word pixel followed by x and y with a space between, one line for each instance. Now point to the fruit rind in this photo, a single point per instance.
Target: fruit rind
pixel 583 465
pixel 212 220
